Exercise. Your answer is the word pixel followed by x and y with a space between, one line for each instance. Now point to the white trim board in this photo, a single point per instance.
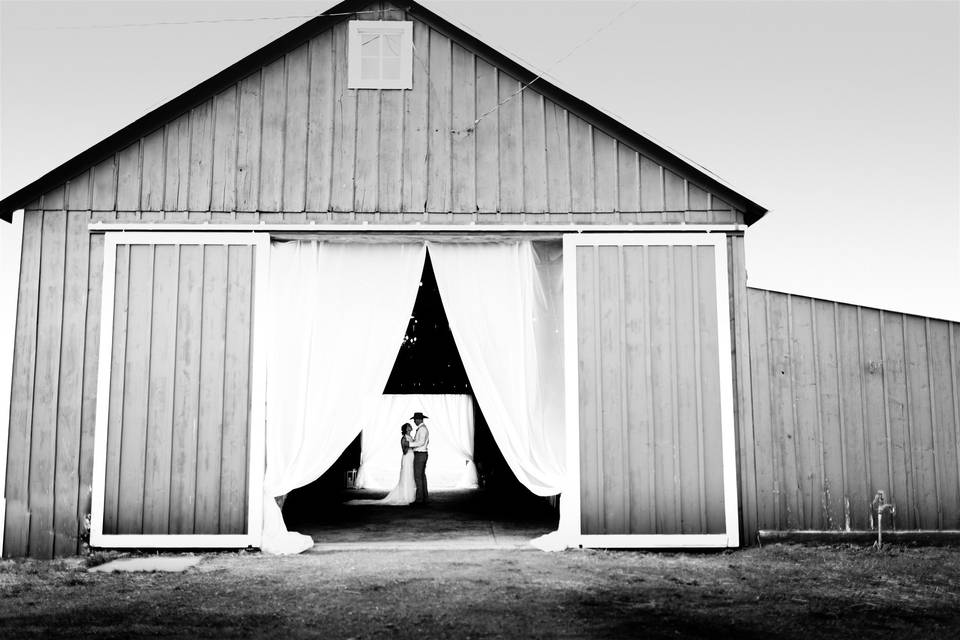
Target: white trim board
pixel 261 242
pixel 364 227
pixel 570 529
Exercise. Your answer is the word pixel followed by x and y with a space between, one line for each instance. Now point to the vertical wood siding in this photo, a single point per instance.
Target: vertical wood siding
pixel 846 401
pixel 290 143
pixel 650 419
pixel 179 390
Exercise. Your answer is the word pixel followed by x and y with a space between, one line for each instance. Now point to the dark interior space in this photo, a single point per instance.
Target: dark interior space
pixel 427 362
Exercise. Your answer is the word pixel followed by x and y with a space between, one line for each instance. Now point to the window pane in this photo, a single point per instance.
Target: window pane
pixel 369 44
pixel 391 68
pixel 391 44
pixel 369 68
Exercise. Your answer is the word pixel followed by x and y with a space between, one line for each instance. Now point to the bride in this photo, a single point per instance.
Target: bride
pixel 406 490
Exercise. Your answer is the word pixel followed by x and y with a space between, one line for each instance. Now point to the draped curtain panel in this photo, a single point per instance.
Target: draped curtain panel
pixel 504 305
pixel 450 421
pixel 338 314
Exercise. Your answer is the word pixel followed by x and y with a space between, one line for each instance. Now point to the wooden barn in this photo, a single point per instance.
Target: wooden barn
pixel 695 411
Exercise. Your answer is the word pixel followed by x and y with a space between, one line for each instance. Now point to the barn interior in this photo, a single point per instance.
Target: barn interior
pixel 498 509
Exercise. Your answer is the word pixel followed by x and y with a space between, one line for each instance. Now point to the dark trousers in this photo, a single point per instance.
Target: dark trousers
pixel 420 475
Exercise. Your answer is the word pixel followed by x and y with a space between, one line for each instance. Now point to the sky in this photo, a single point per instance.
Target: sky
pixel 842 118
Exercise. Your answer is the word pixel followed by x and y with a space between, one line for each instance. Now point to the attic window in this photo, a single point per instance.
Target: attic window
pixel 380 55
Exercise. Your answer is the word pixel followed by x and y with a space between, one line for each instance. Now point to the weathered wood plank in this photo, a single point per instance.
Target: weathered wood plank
pixel 224 178
pixel 43 442
pixel 54 199
pixel 210 409
pixel 831 420
pixel 611 421
pixel 761 410
pixel 558 157
pixel 271 142
pixel 390 152
pixel 689 425
pixel 605 171
pixel 186 397
pixel 651 185
pixel 295 137
pixel 201 156
pixel 488 136
pixel 248 142
pixel 366 181
pixel 159 424
pixel 177 160
pixel 105 185
pixel 111 492
pixel 920 411
pixel 663 392
pixel 344 129
pixel 78 191
pixel 534 156
pixel 438 123
pixel 902 491
pixel 628 179
pixel 152 171
pixel 91 352
pixel 415 132
pixel 17 526
pixel 70 383
pixel 128 178
pixel 464 155
pixel 236 398
pixel 805 390
pixel 136 391
pixel 581 165
pixel 946 423
pixel 320 127
pixel 743 391
pixel 590 423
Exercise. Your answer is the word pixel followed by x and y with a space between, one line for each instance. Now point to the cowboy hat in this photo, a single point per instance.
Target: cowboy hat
pixel 418 415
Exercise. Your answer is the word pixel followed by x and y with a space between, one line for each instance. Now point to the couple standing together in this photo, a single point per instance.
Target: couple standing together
pixel 412 486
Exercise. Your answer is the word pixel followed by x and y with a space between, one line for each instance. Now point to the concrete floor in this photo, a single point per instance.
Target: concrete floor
pixel 456 519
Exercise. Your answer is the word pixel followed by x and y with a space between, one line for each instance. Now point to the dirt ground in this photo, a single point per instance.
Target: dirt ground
pixel 776 591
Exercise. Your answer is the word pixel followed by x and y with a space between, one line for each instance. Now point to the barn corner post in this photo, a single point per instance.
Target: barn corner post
pixel 10 246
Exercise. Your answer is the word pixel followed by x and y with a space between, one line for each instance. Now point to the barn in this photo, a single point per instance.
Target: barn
pixel 209 298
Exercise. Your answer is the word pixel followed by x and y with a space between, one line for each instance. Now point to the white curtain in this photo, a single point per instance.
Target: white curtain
pixel 338 314
pixel 504 305
pixel 450 421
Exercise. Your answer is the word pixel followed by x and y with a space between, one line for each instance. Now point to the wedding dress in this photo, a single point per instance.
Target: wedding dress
pixel 406 490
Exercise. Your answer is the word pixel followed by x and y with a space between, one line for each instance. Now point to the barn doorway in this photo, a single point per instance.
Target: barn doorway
pixel 496 509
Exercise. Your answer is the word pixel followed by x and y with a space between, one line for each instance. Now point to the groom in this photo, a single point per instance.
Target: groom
pixel 421 438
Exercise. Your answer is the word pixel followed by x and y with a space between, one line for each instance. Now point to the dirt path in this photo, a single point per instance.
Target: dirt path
pixel 782 591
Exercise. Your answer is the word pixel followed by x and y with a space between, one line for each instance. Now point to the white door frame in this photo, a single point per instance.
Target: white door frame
pixel 570 529
pixel 261 242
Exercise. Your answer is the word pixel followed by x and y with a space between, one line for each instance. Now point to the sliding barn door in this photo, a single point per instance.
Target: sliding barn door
pixel 649 390
pixel 178 447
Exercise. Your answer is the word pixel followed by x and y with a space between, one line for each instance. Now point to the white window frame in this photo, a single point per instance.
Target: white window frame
pixel 356 29
pixel 570 521
pixel 255 472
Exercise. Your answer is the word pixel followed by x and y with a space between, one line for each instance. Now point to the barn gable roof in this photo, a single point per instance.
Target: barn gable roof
pixel 341 12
